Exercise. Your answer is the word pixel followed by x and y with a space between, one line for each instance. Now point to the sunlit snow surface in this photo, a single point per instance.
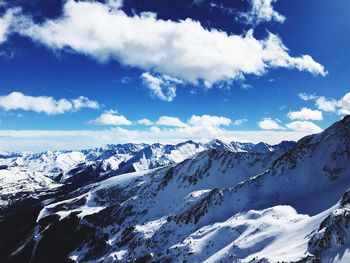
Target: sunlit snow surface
pixel 218 205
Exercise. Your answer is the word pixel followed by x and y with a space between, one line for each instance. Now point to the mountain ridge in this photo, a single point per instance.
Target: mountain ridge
pixel 29 172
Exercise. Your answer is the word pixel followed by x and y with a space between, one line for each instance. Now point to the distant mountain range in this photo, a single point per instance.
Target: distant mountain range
pixel 190 202
pixel 25 173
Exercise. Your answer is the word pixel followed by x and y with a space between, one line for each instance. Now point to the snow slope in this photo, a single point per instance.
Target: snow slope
pixel 22 180
pixel 22 173
pixel 217 205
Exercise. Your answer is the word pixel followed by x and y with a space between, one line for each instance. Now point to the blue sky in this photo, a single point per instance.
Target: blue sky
pixel 78 74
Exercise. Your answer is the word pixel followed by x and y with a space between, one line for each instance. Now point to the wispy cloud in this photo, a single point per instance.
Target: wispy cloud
pixel 307 97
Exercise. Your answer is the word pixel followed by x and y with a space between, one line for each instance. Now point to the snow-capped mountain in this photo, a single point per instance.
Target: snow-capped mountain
pixel 134 157
pixel 28 173
pixel 196 203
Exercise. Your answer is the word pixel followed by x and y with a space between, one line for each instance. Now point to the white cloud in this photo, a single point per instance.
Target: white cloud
pixel 269 124
pixel 145 121
pixel 170 121
pixel 307 63
pixel 277 56
pixel 83 102
pixel 297 126
pixel 181 49
pixel 161 87
pixel 43 104
pixel 111 118
pixel 328 105
pixel 262 11
pixel 345 105
pixel 303 126
pixel 305 114
pixel 197 122
pixel 341 106
pixel 208 120
pixel 239 122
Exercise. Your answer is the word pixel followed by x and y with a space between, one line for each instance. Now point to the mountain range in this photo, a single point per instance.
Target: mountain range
pixel 190 202
pixel 24 173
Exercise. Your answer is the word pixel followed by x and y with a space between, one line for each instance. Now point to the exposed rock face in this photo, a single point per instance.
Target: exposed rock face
pixel 333 236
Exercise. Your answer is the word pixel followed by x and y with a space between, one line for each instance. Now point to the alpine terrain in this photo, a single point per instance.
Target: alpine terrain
pixel 190 202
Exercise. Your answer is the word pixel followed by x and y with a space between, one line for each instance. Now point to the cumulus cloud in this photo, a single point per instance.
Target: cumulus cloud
pixel 181 49
pixel 303 126
pixel 262 11
pixel 305 114
pixel 145 121
pixel 170 121
pixel 341 106
pixel 42 104
pixel 162 87
pixel 328 105
pixel 208 120
pixel 270 124
pixel 110 118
